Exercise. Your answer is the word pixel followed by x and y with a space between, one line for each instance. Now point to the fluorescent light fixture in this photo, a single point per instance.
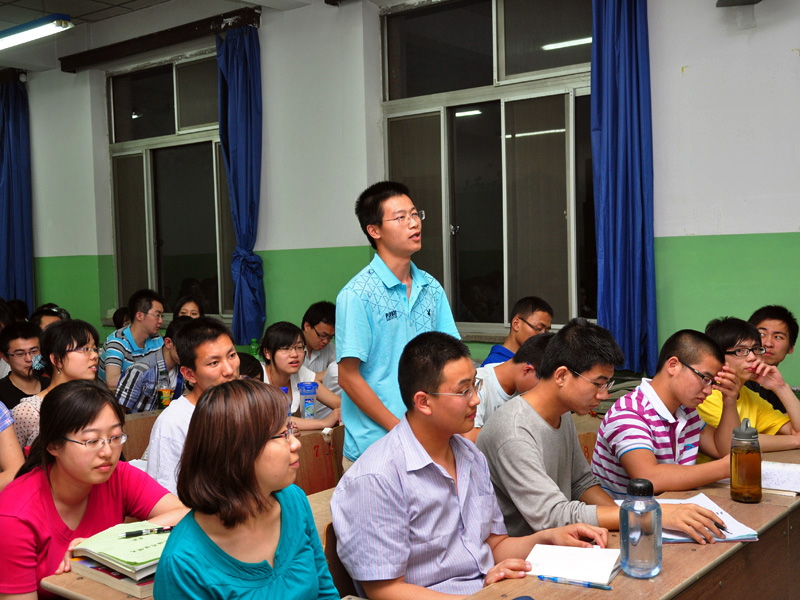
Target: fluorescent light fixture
pixel 568 44
pixel 544 132
pixel 34 30
pixel 468 113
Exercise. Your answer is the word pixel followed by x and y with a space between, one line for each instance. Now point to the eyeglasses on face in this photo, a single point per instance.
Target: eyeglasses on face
pixel 299 348
pixel 23 353
pixel 286 433
pixel 417 215
pixel 537 328
pixel 115 441
pixel 324 335
pixel 158 315
pixel 87 350
pixel 757 350
pixel 707 379
pixel 600 386
pixel 467 394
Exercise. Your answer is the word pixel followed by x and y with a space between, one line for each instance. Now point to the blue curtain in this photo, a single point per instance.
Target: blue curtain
pixel 16 230
pixel 622 153
pixel 239 59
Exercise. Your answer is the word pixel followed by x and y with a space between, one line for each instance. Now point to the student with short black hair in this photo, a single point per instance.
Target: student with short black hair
pixel 69 352
pixel 319 328
pixel 655 431
pixel 19 345
pixel 135 342
pixel 236 474
pixel 417 510
pixel 538 469
pixel 778 328
pixel 208 357
pixel 47 314
pixel 743 349
pixel 71 487
pixel 529 316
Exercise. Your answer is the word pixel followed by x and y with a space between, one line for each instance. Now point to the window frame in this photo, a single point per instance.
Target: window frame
pixel 573 81
pixel 144 148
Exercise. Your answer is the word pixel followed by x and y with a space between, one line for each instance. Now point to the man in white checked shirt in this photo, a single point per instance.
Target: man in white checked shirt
pixel 416 515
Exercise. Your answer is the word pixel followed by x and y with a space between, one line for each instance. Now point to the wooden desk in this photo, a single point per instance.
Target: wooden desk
pixel 77 587
pixel 691 571
pixel 321 509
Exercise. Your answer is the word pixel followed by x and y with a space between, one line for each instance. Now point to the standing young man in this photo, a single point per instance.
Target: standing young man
pixel 19 343
pixel 778 328
pixel 530 316
pixel 207 357
pixel 383 307
pixel 136 341
pixel 416 516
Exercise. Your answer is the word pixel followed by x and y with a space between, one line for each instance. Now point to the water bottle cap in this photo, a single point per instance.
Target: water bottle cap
pixel 745 432
pixel 640 487
pixel 307 387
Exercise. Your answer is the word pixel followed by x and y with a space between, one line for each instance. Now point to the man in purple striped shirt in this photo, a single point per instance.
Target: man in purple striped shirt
pixel 416 515
pixel 655 431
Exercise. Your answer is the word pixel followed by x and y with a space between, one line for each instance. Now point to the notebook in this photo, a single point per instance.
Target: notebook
pixel 107 576
pixel 593 565
pixel 135 557
pixel 737 531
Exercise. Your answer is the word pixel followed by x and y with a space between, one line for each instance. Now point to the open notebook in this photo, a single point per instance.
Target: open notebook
pixel 593 565
pixel 737 531
pixel 136 557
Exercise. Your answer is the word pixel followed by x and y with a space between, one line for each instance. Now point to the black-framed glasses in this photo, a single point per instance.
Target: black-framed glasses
pixel 537 328
pixel 115 441
pixel 467 394
pixel 417 215
pixel 286 433
pixel 707 379
pixel 86 350
pixel 324 335
pixel 299 348
pixel 757 350
pixel 23 353
pixel 600 386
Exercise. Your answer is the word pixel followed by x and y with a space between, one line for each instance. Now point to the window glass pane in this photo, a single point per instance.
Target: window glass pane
pixel 440 49
pixel 144 104
pixel 185 215
pixel 584 211
pixel 531 27
pixel 536 173
pixel 415 159
pixel 477 212
pixel 131 225
pixel 198 100
pixel 227 233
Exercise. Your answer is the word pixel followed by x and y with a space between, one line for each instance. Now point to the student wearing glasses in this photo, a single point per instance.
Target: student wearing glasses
pixel 655 432
pixel 71 487
pixel 19 344
pixel 250 533
pixel 389 302
pixel 283 350
pixel 319 327
pixel 743 355
pixel 538 469
pixel 69 352
pixel 417 510
pixel 529 316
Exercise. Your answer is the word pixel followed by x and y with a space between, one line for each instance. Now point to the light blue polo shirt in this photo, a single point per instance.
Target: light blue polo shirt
pixel 120 350
pixel 375 320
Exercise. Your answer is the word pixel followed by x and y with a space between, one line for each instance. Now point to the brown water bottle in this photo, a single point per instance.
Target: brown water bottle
pixel 745 464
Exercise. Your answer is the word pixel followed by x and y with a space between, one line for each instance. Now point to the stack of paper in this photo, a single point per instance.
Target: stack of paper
pixel 592 565
pixel 135 557
pixel 103 574
pixel 780 476
pixel 737 532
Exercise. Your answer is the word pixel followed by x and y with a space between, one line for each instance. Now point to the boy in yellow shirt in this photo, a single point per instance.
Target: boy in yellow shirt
pixel 743 352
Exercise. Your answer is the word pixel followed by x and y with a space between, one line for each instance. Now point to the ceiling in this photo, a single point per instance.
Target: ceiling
pixel 16 12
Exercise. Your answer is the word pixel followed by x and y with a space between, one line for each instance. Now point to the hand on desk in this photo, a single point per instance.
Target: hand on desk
pixel 697 522
pixel 510 568
pixel 575 535
pixel 65 564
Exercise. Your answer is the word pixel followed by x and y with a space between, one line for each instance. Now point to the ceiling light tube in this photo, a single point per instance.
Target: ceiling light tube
pixel 34 30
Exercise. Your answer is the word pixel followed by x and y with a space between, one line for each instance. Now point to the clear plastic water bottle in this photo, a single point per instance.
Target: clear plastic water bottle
pixel 640 531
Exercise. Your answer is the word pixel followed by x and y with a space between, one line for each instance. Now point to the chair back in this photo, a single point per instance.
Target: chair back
pixel 138 427
pixel 337 450
pixel 587 441
pixel 341 578
pixel 316 467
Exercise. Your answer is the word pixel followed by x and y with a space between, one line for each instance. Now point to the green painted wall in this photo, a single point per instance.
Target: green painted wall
pixel 698 278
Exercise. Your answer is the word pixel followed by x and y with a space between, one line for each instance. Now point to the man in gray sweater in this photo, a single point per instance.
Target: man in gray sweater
pixel 538 470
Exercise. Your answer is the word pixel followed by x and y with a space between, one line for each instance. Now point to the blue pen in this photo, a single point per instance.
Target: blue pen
pixel 586 584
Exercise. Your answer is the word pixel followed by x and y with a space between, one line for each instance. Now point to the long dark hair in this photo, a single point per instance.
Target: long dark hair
pixel 67 408
pixel 61 337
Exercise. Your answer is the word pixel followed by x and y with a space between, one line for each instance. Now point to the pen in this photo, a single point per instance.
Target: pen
pixel 586 584
pixel 721 527
pixel 137 533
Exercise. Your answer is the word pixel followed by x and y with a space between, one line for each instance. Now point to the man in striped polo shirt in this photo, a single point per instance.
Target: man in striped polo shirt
pixel 655 431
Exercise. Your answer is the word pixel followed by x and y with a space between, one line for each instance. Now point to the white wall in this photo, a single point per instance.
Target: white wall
pixel 726 122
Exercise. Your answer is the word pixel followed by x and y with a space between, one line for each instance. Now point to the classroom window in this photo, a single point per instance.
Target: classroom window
pixel 504 173
pixel 172 216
